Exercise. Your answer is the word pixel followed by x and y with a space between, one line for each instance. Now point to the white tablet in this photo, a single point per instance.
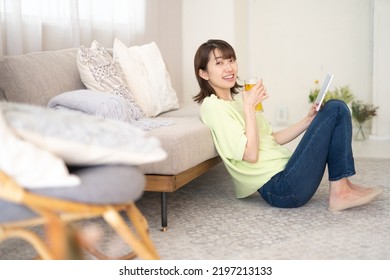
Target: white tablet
pixel 324 89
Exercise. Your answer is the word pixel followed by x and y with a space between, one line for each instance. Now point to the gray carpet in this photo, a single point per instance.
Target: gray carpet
pixel 207 222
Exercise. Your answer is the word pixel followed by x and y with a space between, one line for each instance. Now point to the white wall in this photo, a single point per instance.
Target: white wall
pixel 381 69
pixel 294 43
pixel 288 43
pixel 203 20
pixel 168 22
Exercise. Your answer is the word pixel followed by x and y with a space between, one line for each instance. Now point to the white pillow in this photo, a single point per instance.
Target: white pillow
pixel 81 139
pixel 147 77
pixel 99 72
pixel 30 166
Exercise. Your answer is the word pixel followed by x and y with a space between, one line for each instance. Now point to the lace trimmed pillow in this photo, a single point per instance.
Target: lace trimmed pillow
pixel 99 72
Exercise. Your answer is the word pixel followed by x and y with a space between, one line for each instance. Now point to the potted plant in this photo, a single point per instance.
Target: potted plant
pixel 362 112
pixel 341 93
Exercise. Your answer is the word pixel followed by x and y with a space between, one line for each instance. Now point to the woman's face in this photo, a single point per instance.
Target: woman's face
pixel 221 73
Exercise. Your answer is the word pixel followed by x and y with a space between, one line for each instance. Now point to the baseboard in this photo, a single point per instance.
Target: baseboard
pixel 379 138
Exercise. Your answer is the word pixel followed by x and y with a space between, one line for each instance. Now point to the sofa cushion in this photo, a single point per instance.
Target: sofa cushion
pixel 37 77
pixel 105 184
pixel 82 139
pixel 147 77
pixel 30 165
pixel 187 142
pixel 185 110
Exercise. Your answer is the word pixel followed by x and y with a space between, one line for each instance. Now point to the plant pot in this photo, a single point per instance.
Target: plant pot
pixel 360 135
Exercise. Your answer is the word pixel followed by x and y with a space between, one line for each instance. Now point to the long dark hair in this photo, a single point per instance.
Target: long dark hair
pixel 200 63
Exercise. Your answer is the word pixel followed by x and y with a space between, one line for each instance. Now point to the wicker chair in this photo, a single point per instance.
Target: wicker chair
pixel 107 191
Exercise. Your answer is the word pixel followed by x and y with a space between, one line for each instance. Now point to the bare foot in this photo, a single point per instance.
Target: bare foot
pixel 348 197
pixel 343 195
pixel 360 188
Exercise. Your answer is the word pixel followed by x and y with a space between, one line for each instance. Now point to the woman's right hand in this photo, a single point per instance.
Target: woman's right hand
pixel 251 98
pixel 257 94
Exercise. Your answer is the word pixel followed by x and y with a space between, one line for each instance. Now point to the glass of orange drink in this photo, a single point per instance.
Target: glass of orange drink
pixel 249 83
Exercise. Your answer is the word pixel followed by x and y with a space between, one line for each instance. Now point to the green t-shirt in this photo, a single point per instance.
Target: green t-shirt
pixel 227 124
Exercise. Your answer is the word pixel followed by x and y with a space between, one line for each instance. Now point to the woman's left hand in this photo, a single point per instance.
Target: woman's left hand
pixel 312 112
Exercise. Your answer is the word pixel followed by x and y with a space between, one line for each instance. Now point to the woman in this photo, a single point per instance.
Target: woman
pixel 253 154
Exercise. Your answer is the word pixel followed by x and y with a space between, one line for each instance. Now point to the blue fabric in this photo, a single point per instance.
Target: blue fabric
pixel 327 141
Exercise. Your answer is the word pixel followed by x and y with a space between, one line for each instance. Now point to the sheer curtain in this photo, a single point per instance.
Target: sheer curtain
pixel 36 25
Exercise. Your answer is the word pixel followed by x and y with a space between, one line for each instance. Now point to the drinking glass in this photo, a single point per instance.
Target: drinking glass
pixel 249 83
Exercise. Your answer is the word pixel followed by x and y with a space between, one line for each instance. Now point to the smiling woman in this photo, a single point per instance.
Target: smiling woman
pixel 253 153
pixel 216 66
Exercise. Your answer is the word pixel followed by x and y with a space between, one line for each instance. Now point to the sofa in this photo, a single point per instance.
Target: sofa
pixel 36 78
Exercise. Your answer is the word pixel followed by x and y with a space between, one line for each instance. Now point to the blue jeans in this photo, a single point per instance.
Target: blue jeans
pixel 327 141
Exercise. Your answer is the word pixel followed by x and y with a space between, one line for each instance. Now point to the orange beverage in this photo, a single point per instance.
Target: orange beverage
pixel 248 85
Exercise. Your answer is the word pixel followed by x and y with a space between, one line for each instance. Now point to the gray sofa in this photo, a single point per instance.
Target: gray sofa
pixel 35 78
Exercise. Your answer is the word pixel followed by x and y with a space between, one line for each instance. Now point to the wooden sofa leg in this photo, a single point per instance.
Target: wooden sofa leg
pixel 164 212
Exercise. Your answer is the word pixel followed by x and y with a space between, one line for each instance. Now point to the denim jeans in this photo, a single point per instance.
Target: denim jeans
pixel 327 141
